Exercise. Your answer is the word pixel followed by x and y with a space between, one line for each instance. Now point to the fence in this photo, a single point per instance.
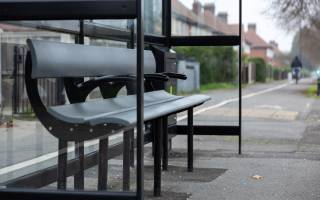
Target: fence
pixel 248 73
pixel 13 84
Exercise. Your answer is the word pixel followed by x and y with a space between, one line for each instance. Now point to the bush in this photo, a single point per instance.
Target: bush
pixel 312 91
pixel 280 73
pixel 217 64
pixel 261 69
pixel 277 73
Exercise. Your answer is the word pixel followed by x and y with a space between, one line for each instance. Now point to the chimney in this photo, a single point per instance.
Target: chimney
pixel 252 27
pixel 210 7
pixel 196 7
pixel 223 16
pixel 274 44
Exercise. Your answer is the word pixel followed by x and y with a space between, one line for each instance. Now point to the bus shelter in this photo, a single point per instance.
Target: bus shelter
pixel 177 39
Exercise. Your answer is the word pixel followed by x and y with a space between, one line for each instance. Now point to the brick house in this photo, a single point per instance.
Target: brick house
pixel 279 59
pixel 200 20
pixel 258 46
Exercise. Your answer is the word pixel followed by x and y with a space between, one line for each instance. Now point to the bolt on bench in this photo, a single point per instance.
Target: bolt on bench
pixel 98 119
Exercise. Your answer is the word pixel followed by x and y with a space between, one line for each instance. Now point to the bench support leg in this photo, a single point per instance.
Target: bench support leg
pixel 165 144
pixel 103 164
pixel 157 130
pixel 131 148
pixel 126 161
pixel 190 140
pixel 153 140
pixel 79 176
pixel 62 165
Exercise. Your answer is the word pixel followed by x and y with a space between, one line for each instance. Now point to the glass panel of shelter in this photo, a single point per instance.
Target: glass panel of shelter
pixel 28 147
pixel 25 138
pixel 212 71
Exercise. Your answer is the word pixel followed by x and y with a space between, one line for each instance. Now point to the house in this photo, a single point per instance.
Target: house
pixel 258 46
pixel 200 20
pixel 279 59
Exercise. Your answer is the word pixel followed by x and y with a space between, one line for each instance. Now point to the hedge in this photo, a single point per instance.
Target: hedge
pixel 261 69
pixel 217 64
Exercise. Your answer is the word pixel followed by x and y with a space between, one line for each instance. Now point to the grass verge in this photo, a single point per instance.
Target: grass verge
pixel 216 86
pixel 312 92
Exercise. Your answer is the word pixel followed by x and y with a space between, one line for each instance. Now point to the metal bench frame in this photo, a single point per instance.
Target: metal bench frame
pixel 57 121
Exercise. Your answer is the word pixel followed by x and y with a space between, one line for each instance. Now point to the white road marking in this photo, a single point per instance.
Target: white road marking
pixel 52 155
pixel 234 100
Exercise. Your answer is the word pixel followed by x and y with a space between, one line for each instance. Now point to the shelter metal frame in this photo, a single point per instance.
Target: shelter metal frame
pixel 13 11
pixel 85 9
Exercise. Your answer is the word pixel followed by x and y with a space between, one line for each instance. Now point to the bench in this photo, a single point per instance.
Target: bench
pixel 86 120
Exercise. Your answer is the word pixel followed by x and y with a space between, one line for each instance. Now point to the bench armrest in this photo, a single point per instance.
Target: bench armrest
pixel 156 77
pixel 164 76
pixel 96 82
pixel 175 75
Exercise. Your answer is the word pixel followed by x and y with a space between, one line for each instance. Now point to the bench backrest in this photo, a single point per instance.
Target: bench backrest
pixel 55 60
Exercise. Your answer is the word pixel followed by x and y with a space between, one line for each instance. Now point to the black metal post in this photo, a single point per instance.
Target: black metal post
pixel 130 26
pixel 130 45
pixel 170 144
pixel 117 10
pixel 62 165
pixel 166 21
pixel 157 130
pixel 126 161
pixel 153 135
pixel 15 74
pixel 140 100
pixel 79 176
pixel 79 146
pixel 190 140
pixel 103 164
pixel 165 144
pixel 132 148
pixel 240 77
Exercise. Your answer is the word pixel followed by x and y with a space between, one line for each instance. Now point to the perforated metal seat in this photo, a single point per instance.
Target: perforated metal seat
pixel 122 110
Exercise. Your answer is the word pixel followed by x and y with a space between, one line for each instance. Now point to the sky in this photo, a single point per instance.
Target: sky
pixel 253 11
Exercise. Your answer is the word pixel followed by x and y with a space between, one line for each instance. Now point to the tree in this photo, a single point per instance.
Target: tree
pixel 293 13
pixel 306 45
